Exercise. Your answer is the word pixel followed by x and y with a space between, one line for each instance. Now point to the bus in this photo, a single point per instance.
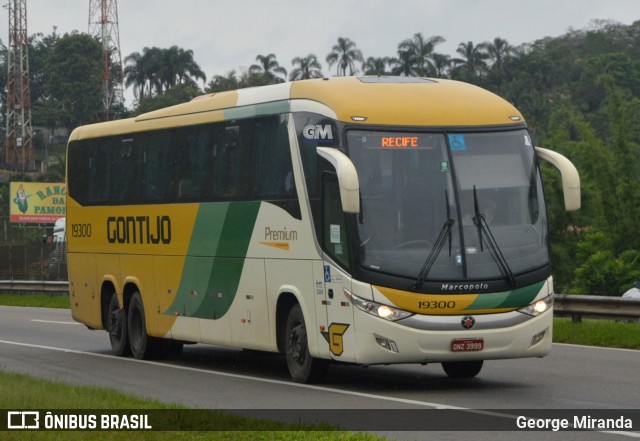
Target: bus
pixel 364 220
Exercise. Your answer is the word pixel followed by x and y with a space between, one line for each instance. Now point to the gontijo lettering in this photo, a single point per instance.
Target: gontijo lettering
pixel 139 229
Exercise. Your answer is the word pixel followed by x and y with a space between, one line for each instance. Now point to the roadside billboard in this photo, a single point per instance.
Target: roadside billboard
pixel 37 202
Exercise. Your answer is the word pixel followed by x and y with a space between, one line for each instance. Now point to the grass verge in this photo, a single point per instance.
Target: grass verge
pixel 21 392
pixel 35 300
pixel 607 333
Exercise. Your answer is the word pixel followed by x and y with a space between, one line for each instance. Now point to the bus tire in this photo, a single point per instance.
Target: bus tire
pixel 462 369
pixel 117 327
pixel 143 347
pixel 302 366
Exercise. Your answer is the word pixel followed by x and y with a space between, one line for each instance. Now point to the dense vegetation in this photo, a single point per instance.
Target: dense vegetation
pixel 579 92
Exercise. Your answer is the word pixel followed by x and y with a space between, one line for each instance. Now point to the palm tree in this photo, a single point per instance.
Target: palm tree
pixel 498 50
pixel 344 54
pixel 134 76
pixel 179 67
pixel 305 68
pixel 376 66
pixel 158 70
pixel 220 83
pixel 404 65
pixel 421 51
pixel 268 68
pixel 441 64
pixel 472 64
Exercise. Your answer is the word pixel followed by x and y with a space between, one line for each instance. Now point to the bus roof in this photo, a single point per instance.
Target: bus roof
pixel 404 101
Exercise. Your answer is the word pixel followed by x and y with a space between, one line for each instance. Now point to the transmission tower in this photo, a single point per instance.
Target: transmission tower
pixel 18 147
pixel 103 24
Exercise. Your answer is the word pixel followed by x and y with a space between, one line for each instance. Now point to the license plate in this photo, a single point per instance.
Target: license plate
pixel 467 345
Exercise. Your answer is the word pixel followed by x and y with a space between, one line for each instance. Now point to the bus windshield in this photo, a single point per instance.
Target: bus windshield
pixel 449 206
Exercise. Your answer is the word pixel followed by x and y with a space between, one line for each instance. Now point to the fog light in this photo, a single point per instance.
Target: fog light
pixel 389 345
pixel 537 338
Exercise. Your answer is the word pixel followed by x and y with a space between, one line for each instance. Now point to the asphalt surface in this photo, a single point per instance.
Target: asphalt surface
pixel 47 343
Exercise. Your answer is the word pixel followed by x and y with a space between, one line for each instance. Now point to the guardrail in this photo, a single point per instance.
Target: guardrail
pixel 576 306
pixel 34 286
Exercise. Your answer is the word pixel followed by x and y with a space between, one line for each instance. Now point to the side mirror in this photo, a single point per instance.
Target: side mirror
pixel 570 177
pixel 347 178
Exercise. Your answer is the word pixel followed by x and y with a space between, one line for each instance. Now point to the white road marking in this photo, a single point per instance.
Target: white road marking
pixel 54 321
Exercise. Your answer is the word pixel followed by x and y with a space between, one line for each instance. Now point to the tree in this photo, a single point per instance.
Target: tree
pixel 269 69
pixel 376 66
pixel 344 54
pixel 497 51
pixel 420 50
pixel 176 95
pixel 305 68
pixel 139 72
pixel 179 67
pixel 39 48
pixel 156 71
pixel 221 83
pixel 441 65
pixel 473 63
pixel 74 67
pixel 404 64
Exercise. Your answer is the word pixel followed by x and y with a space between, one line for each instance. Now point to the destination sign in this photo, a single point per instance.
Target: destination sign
pixel 399 142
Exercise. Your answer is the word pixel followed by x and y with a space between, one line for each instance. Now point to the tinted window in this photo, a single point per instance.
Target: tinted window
pixel 232 161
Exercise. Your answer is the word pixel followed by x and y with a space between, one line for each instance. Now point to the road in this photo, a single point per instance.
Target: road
pixel 47 343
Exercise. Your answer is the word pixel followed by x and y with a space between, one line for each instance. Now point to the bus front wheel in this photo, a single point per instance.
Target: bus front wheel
pixel 302 366
pixel 462 369
pixel 117 327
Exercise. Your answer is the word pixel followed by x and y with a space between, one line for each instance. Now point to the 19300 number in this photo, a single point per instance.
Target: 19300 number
pixel 434 304
pixel 80 230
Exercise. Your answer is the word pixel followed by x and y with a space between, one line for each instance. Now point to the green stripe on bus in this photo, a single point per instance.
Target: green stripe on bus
pixel 209 284
pixel 509 299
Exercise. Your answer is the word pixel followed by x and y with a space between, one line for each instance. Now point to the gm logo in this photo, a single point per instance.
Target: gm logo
pixel 317 132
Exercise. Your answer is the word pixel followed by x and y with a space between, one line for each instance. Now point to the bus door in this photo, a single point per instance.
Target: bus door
pixel 339 332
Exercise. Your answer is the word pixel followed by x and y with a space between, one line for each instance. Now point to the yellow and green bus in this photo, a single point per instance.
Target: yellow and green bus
pixel 368 220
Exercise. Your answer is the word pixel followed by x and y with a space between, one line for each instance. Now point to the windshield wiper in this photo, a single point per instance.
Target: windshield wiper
pixel 485 232
pixel 437 247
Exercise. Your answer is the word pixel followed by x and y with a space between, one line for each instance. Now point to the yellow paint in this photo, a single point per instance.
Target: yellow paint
pixel 435 304
pixel 279 245
pixel 200 111
pixel 156 269
pixel 442 103
pixel 182 217
pixel 336 342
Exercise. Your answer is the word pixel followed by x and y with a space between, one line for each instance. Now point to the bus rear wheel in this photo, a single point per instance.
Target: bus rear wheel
pixel 462 369
pixel 117 327
pixel 302 366
pixel 143 347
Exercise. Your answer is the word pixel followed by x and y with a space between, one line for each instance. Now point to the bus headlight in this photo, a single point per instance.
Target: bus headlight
pixel 377 309
pixel 538 307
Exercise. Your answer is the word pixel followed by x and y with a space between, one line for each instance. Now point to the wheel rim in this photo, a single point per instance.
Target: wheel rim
pixel 115 324
pixel 297 348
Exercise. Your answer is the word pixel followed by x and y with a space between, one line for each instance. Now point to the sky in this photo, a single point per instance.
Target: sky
pixel 228 35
